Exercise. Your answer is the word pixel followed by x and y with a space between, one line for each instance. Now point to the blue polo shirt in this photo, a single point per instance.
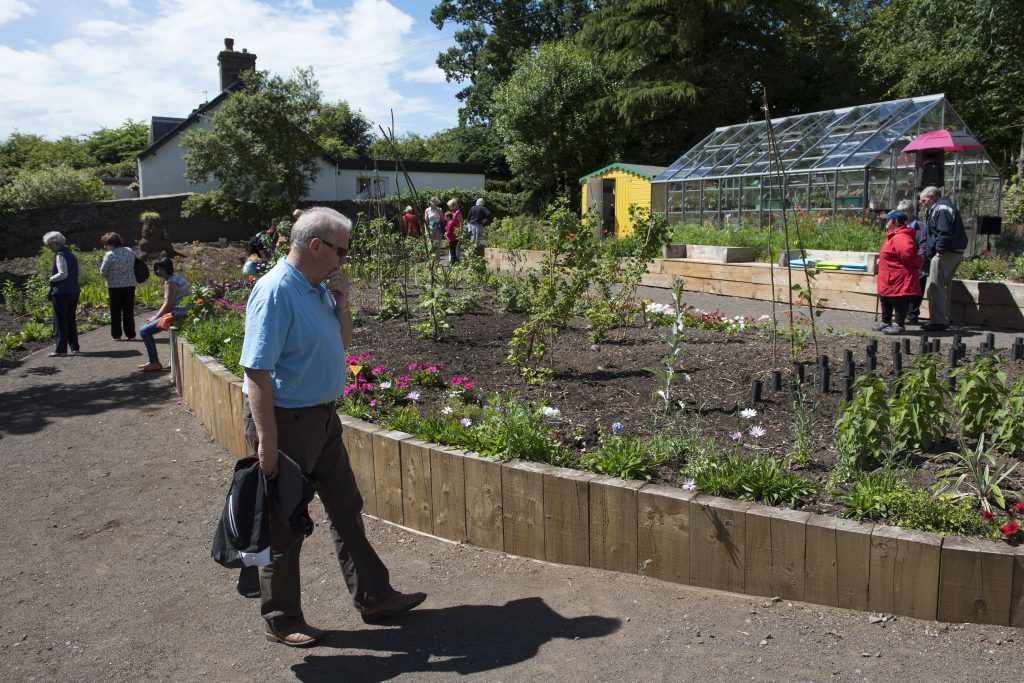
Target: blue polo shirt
pixel 291 330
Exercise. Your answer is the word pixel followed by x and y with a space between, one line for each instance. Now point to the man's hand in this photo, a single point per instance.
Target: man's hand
pixel 268 460
pixel 337 282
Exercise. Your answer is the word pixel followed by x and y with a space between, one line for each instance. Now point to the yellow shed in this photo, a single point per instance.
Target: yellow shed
pixel 613 188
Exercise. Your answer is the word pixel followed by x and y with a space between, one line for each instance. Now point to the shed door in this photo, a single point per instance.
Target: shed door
pixel 595 200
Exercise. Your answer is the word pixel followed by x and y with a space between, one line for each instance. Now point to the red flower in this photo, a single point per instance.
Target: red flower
pixel 1009 529
pixel 987 516
pixel 1019 507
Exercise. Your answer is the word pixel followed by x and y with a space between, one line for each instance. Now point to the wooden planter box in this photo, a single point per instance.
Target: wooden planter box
pixel 583 519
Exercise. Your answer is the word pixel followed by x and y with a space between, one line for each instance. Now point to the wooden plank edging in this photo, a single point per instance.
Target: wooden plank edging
pixel 580 518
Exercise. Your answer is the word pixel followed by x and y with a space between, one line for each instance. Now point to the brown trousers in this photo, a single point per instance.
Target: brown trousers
pixel 312 438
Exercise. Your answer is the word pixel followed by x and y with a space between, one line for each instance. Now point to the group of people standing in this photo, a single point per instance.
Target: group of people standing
pixel 118 269
pixel 918 258
pixel 448 224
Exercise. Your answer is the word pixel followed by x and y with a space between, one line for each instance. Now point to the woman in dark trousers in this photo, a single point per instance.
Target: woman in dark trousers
pixel 898 267
pixel 64 290
pixel 118 269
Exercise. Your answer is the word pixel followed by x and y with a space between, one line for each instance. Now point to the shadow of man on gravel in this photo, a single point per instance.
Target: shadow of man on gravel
pixel 466 639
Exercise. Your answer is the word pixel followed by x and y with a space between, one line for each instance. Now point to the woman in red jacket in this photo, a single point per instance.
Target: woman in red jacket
pixel 899 264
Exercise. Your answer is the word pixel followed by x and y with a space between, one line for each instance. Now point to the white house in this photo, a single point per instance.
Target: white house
pixel 162 163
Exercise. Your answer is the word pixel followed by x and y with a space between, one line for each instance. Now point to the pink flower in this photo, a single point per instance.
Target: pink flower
pixel 434 368
pixel 456 381
pixel 468 385
pixel 412 367
pixel 351 360
pixel 404 378
pixel 380 369
pixel 401 385
pixel 364 356
pixel 373 403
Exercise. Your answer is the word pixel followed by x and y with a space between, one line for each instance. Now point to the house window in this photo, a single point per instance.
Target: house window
pixel 368 187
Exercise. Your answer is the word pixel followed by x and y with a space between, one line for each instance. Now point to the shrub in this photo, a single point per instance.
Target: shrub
pixel 916 413
pixel 758 478
pixel 980 387
pixel 51 186
pixel 864 427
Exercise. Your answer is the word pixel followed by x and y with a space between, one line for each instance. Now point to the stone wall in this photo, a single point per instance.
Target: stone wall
pixel 83 224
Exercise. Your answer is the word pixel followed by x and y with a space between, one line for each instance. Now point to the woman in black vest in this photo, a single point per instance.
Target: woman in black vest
pixel 64 291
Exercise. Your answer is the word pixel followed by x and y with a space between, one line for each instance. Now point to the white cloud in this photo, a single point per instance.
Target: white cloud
pixel 14 9
pixel 428 74
pixel 160 64
pixel 101 28
pixel 119 4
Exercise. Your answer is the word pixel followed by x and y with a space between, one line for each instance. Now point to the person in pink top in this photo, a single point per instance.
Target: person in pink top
pixel 451 233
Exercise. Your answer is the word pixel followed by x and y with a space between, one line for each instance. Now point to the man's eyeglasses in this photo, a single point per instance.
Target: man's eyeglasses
pixel 341 251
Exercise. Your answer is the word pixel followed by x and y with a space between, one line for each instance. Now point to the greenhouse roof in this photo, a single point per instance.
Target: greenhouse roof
pixel 848 138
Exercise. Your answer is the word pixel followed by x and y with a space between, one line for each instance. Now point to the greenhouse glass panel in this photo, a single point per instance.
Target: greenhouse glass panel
pixel 846 160
pixel 675 198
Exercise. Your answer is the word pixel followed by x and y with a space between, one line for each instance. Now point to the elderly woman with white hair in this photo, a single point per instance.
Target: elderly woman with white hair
pixel 64 291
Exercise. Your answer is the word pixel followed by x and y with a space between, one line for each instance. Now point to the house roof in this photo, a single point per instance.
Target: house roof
pixel 385 166
pixel 643 170
pixel 189 120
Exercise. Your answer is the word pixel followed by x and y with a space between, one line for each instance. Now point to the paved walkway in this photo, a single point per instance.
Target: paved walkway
pixel 111 491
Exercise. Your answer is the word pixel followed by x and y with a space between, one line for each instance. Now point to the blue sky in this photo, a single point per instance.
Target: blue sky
pixel 72 66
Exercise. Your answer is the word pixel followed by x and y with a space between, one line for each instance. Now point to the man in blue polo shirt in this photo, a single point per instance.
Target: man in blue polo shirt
pixel 294 361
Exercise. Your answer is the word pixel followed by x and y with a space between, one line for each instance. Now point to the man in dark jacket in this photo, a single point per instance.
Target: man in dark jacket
pixel 479 217
pixel 947 240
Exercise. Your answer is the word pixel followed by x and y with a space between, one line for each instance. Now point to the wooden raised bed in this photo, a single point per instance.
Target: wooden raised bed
pixel 587 520
pixel 977 303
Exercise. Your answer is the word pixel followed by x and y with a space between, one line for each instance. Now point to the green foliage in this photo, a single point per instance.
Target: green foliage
pixel 518 232
pixel 390 304
pixel 838 234
pixel 501 203
pixel 35 331
pixel 759 478
pixel 1008 422
pixel 981 76
pixel 50 186
pixel 546 115
pixel 987 267
pixel 975 474
pixel 343 132
pixel 625 458
pixel 916 413
pixel 882 496
pixel 864 427
pixel 565 274
pixel 118 145
pixel 980 388
pixel 261 147
pixel 513 294
pixel 803 426
pixel 411 147
pixel 666 374
pixel 435 301
pixel 511 429
pixel 219 334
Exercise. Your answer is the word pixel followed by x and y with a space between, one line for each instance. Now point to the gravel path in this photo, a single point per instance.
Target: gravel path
pixel 111 492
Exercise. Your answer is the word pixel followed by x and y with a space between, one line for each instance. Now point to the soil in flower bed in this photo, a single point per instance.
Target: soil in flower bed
pixel 595 386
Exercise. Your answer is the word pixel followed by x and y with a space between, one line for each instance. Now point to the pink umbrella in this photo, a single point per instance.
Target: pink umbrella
pixel 946 140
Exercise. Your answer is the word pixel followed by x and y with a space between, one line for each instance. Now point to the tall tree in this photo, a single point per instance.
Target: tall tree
pixel 117 145
pixel 683 67
pixel 261 146
pixel 970 50
pixel 493 35
pixel 411 147
pixel 344 132
pixel 547 117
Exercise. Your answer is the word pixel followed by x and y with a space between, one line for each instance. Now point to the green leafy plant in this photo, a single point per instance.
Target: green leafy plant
pixel 512 294
pixel 1008 422
pixel 390 303
pixel 975 474
pixel 916 412
pixel 864 427
pixel 759 478
pixel 35 331
pixel 667 373
pixel 980 388
pixel 622 457
pixel 882 496
pixel 803 426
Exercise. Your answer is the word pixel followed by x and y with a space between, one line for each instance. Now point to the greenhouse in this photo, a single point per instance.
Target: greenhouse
pixel 843 161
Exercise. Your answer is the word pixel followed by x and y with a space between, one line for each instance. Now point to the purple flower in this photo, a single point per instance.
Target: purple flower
pixel 617 428
pixel 736 436
pixel 466 422
pixel 689 485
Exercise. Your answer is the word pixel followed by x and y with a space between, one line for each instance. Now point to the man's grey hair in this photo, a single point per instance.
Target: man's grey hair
pixel 318 221
pixel 905 205
pixel 932 191
pixel 54 237
pixel 480 201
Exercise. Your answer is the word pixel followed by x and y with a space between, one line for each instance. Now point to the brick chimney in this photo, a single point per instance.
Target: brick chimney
pixel 232 63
